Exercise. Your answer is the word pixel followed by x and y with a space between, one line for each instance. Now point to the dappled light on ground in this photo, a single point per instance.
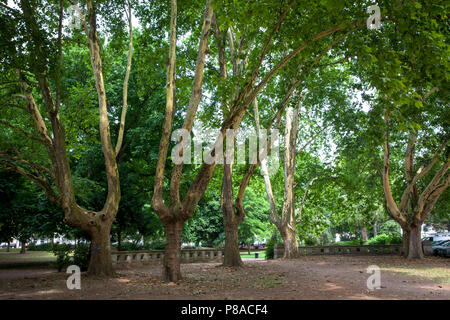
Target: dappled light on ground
pixel 324 277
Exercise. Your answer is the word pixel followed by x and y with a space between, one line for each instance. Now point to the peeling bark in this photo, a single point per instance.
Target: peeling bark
pixel 414 208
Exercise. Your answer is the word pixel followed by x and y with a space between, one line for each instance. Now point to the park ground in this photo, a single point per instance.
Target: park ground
pixel 313 277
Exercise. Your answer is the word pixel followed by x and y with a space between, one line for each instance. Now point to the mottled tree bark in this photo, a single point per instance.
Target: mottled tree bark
pixel 96 224
pixel 414 208
pixel 231 221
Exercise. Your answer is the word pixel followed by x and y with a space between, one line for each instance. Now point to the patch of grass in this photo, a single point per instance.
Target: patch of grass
pixel 31 258
pixel 435 274
pixel 270 281
pixel 245 255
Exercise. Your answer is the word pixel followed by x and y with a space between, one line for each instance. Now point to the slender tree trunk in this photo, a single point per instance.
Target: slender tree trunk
pixel 8 246
pixel 364 233
pixel 375 228
pixel 100 263
pixel 171 263
pixel 119 240
pixel 22 247
pixel 290 243
pixel 412 244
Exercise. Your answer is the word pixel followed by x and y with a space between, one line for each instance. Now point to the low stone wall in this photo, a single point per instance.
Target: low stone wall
pixel 393 249
pixel 156 256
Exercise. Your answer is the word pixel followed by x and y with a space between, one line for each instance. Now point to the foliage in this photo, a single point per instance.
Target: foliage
pixel 63 255
pixel 384 239
pixel 81 256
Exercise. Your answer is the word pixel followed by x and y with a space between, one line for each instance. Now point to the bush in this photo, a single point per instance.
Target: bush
pixel 384 239
pixel 42 247
pixel 270 246
pixel 391 228
pixel 353 242
pixel 62 253
pixel 131 246
pixel 66 256
pixel 157 245
pixel 81 256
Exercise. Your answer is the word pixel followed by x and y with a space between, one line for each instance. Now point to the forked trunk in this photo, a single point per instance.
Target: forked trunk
pixel 290 243
pixel 232 256
pixel 412 244
pixel 171 262
pixel 100 263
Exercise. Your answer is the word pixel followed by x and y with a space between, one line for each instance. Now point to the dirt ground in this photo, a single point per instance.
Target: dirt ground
pixel 315 277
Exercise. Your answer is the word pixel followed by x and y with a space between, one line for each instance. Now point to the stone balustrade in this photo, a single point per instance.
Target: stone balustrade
pixel 156 256
pixel 393 249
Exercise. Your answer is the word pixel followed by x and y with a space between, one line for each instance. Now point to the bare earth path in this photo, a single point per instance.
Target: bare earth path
pixel 316 277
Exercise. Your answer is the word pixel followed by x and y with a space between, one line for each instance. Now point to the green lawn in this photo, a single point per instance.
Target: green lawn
pixel 436 274
pixel 261 254
pixel 30 258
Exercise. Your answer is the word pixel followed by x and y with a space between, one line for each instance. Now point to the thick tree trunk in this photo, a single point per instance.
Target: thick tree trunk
pixel 290 243
pixel 100 263
pixel 231 220
pixel 232 256
pixel 171 264
pixel 412 244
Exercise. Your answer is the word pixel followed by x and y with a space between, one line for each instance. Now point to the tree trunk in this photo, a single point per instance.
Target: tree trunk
pixel 290 243
pixel 22 247
pixel 100 263
pixel 8 246
pixel 232 256
pixel 412 244
pixel 375 228
pixel 231 219
pixel 364 234
pixel 171 264
pixel 119 240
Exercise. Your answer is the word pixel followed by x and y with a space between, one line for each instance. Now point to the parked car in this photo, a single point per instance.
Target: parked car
pixel 438 245
pixel 437 237
pixel 444 250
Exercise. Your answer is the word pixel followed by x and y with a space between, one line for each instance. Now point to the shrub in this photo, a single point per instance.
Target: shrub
pixel 66 256
pixel 391 228
pixel 353 242
pixel 41 247
pixel 81 256
pixel 385 239
pixel 62 253
pixel 131 246
pixel 157 245
pixel 270 246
